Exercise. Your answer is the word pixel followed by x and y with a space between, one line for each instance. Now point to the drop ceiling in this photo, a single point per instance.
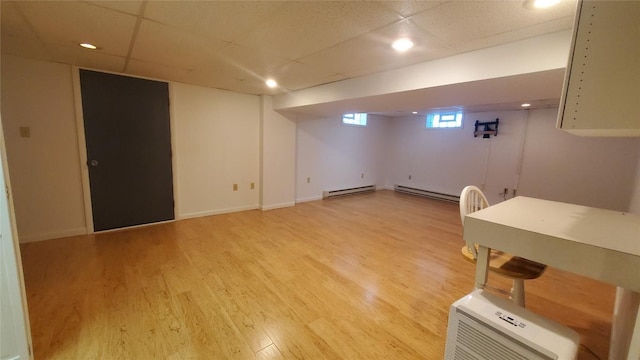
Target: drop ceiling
pixel 236 45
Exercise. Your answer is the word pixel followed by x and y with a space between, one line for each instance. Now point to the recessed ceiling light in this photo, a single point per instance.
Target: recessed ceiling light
pixel 540 4
pixel 414 112
pixel 271 83
pixel 88 46
pixel 402 45
pixel 525 105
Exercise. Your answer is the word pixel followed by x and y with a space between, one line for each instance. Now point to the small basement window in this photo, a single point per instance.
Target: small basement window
pixel 444 120
pixel 359 119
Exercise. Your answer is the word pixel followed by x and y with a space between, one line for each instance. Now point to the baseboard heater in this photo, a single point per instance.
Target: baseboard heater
pixel 355 190
pixel 426 193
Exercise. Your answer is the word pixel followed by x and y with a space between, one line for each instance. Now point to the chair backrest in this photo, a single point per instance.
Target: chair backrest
pixel 471 199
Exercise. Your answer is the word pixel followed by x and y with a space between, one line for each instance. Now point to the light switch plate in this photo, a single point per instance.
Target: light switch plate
pixel 25 131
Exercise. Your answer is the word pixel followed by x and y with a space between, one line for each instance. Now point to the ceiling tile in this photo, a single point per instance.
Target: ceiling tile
pixel 372 52
pixel 251 87
pixel 13 23
pixel 296 75
pixel 223 20
pixel 157 71
pixel 210 75
pixel 461 21
pixel 217 74
pixel 161 44
pixel 408 8
pixel 130 6
pixel 18 38
pixel 548 27
pixel 250 61
pixel 62 22
pixel 234 45
pixel 304 27
pixel 76 55
pixel 29 48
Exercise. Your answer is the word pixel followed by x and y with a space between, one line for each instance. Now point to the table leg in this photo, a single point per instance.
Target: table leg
pixel 482 267
pixel 625 327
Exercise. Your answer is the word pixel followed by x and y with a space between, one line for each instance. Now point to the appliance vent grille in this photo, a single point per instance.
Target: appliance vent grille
pixel 462 354
pixel 476 341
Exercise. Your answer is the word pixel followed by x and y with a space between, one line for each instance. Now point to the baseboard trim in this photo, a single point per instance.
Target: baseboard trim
pixel 312 198
pixel 51 235
pixel 277 206
pixel 216 212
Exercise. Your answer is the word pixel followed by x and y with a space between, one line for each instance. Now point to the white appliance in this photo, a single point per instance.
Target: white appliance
pixel 483 326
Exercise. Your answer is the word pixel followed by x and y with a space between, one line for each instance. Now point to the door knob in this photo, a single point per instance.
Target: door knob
pixel 93 163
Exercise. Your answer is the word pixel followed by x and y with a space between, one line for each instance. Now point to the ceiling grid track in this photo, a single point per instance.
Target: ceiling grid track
pixel 134 36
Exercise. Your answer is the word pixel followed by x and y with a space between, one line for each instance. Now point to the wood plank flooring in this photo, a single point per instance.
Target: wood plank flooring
pixel 366 276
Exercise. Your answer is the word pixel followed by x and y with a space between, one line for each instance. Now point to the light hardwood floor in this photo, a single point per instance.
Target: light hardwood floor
pixel 357 277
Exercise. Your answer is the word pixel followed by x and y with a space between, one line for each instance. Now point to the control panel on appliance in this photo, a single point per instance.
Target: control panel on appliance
pixel 510 319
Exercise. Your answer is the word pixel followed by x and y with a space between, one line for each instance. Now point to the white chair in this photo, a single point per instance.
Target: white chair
pixel 516 268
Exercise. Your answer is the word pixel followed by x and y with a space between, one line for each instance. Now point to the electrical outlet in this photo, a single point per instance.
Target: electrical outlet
pixel 235 187
pixel 308 180
pixel 362 176
pixel 409 177
pixel 252 186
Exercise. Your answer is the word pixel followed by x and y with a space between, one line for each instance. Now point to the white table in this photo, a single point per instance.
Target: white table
pixel 601 244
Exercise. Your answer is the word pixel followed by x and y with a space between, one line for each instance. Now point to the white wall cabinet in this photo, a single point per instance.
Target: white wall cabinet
pixel 601 95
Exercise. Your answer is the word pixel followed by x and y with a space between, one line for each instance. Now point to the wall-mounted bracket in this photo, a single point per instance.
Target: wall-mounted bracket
pixel 488 128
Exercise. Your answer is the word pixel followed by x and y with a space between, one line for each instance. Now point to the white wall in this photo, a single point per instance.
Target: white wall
pixel 217 141
pixel 555 165
pixel 597 172
pixel 334 156
pixel 278 158
pixel 219 136
pixel 446 160
pixel 216 136
pixel 44 168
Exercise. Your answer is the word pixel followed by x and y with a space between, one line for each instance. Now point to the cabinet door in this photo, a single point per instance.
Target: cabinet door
pixel 14 329
pixel 602 83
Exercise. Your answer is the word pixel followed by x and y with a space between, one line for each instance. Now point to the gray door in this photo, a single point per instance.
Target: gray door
pixel 128 136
